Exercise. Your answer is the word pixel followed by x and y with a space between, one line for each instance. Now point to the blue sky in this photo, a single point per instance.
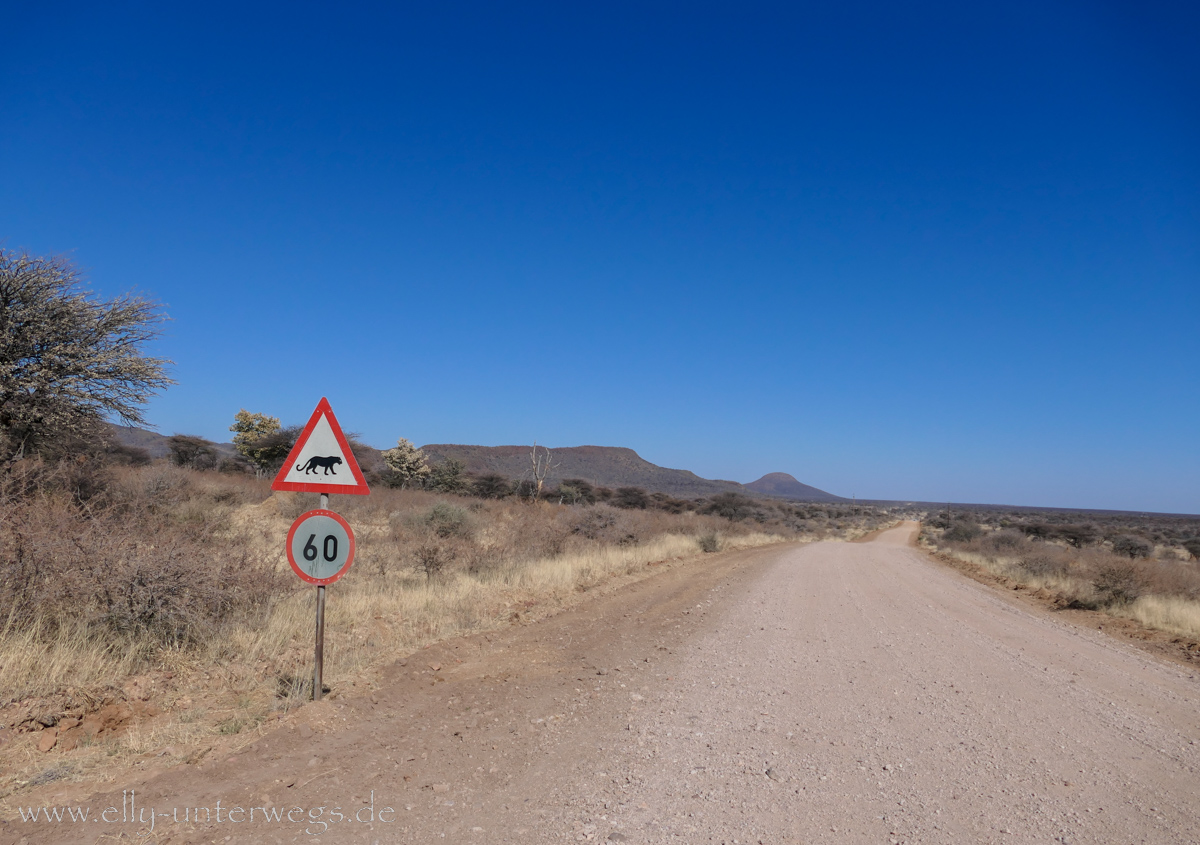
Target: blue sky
pixel 927 251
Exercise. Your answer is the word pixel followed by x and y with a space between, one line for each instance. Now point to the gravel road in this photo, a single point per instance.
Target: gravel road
pixel 829 693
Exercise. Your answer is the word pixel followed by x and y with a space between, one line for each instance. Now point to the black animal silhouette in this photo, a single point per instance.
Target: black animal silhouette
pixel 329 463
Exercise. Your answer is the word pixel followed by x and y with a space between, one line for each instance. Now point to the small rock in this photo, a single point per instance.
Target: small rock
pixel 601 671
pixel 774 775
pixel 305 732
pixel 48 739
pixel 441 787
pixel 617 837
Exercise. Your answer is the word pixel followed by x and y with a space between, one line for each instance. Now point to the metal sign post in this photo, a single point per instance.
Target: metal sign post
pixel 321 462
pixel 319 651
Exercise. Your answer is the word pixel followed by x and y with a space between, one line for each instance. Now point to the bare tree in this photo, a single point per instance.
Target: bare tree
pixel 540 465
pixel 68 360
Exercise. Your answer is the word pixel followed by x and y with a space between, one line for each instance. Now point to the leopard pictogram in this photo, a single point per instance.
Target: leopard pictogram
pixel 314 462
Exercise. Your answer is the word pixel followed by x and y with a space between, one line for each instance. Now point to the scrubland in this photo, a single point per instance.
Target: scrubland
pixel 160 597
pixel 1140 568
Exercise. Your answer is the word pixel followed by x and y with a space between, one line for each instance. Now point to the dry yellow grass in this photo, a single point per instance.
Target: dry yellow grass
pixel 1165 613
pixel 373 618
pixel 71 658
pixel 1172 614
pixel 237 683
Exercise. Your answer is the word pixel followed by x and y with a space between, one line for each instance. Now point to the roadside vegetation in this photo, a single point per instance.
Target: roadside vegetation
pixel 146 606
pixel 1140 567
pixel 126 581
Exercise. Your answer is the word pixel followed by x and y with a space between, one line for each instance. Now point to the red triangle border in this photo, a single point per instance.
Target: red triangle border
pixel 359 489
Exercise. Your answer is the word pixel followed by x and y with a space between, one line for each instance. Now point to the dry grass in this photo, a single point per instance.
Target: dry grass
pixel 166 542
pixel 239 682
pixel 1166 613
pixel 1160 593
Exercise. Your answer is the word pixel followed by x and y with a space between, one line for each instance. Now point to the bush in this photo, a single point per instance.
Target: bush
pixel 193 452
pixel 433 558
pixel 61 564
pixel 732 506
pixel 1078 535
pixel 1046 563
pixel 1120 581
pixel 1006 541
pixel 492 486
pixel 449 520
pixel 962 531
pixel 448 477
pixel 1131 547
pixel 630 498
pixel 581 492
pixel 709 542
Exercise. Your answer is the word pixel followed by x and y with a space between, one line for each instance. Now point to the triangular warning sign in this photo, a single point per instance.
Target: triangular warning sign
pixel 321 460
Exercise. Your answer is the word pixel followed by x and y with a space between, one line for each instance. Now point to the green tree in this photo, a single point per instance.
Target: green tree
pixel 448 477
pixel 493 486
pixel 407 464
pixel 250 430
pixel 195 452
pixel 68 360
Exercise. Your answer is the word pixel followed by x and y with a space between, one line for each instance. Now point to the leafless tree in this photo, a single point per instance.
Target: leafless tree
pixel 68 360
pixel 540 464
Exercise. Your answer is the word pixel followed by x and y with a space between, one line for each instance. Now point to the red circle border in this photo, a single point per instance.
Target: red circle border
pixel 304 576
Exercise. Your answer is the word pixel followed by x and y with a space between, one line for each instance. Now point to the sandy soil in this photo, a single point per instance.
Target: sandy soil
pixel 828 693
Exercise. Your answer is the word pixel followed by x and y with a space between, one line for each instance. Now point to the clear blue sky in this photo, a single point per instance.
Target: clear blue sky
pixel 938 251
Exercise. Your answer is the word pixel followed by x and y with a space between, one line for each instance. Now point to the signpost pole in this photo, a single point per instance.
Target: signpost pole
pixel 319 655
pixel 320 461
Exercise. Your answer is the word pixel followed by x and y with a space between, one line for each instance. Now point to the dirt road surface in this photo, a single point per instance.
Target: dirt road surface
pixel 829 693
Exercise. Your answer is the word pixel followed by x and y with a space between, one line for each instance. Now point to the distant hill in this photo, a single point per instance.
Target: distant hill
pixel 607 466
pixel 783 486
pixel 155 443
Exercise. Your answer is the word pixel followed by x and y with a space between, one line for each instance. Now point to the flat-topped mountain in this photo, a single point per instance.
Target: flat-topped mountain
pixel 783 486
pixel 607 466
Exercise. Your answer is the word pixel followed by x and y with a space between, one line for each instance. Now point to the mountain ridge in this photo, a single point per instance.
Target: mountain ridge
pixel 606 466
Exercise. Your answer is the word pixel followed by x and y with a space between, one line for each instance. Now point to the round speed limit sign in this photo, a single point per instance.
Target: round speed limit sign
pixel 320 547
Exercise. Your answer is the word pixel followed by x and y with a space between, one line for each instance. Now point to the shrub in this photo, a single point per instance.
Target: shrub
pixel 630 498
pixel 1193 547
pixel 1006 541
pixel 448 477
pixel 433 558
pixel 1131 547
pixel 668 503
pixel 732 506
pixel 186 450
pixel 126 571
pixel 1120 581
pixel 709 542
pixel 449 520
pixel 594 523
pixel 1045 563
pixel 492 486
pixel 1078 535
pixel 583 492
pixel 962 531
